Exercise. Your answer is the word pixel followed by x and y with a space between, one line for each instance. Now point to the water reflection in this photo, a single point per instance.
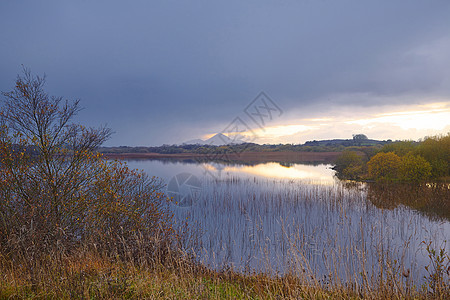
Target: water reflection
pixel 166 169
pixel 294 217
pixel 432 200
pixel 321 173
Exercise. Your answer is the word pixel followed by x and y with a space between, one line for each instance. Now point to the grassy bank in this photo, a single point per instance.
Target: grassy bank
pixel 92 276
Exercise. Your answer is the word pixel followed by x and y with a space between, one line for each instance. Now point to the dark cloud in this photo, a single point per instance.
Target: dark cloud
pixel 167 71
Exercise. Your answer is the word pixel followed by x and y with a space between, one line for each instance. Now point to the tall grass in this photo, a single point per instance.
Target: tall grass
pixel 255 238
pixel 327 236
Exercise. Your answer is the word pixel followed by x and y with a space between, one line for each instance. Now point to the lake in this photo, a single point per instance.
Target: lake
pixel 298 218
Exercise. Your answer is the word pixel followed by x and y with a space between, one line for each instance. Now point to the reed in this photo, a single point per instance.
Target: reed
pixel 250 239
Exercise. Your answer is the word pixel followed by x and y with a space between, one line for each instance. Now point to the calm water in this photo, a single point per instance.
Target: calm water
pixel 293 217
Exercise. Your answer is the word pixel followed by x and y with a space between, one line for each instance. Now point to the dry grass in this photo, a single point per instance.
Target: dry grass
pixel 88 274
pixel 161 266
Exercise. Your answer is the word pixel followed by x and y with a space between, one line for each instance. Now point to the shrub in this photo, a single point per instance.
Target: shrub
pixel 414 168
pixel 400 147
pixel 436 150
pixel 56 191
pixel 384 166
pixel 350 165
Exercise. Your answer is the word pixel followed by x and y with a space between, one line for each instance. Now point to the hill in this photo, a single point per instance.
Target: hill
pixel 216 144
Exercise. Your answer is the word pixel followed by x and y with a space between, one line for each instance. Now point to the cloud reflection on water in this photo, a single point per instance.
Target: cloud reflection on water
pixel 321 174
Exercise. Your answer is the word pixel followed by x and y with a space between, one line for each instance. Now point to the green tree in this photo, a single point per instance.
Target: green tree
pixel 350 165
pixel 414 168
pixel 400 148
pixel 384 166
pixel 436 150
pixel 359 137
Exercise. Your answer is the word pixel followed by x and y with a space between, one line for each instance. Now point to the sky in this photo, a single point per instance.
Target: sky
pixel 165 72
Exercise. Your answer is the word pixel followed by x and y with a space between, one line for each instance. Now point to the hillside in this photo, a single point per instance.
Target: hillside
pixel 335 145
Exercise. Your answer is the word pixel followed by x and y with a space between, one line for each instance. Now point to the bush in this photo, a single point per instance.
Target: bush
pixel 384 166
pixel 350 165
pixel 57 192
pixel 400 148
pixel 414 168
pixel 436 150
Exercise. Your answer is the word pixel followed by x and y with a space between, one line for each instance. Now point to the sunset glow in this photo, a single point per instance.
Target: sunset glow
pixel 406 122
pixel 435 118
pixel 276 170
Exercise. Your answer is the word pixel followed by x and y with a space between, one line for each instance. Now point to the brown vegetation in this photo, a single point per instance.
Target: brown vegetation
pixel 59 198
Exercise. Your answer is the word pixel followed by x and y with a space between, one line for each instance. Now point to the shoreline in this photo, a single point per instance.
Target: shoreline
pixel 286 156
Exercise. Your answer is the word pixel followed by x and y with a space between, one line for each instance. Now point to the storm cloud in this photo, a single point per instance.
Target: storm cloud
pixel 169 71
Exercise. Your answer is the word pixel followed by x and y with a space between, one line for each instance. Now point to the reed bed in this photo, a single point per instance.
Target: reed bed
pixel 331 237
pixel 253 238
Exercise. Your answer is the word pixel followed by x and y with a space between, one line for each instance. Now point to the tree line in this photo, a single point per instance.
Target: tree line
pixel 336 145
pixel 401 161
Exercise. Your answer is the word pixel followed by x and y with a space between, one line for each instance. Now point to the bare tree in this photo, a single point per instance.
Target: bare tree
pixel 58 195
pixel 46 160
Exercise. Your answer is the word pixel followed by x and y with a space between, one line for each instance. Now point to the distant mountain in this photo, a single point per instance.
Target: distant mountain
pixel 217 140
